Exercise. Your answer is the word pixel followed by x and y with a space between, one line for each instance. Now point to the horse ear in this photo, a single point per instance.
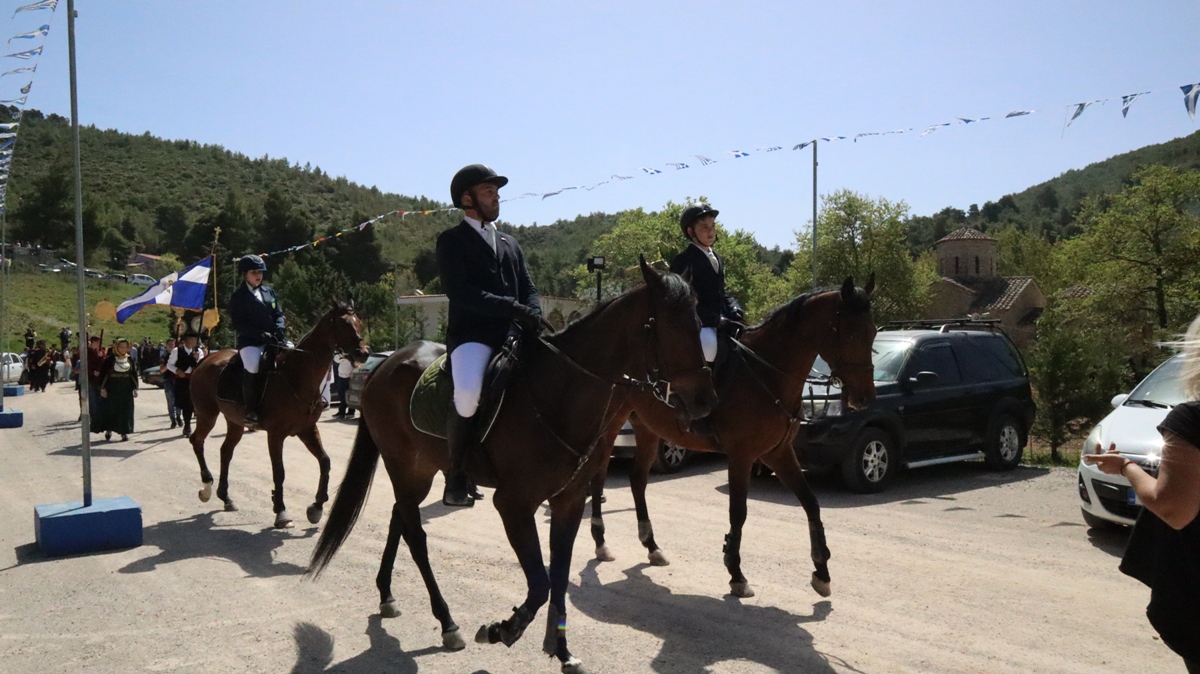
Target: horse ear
pixel 687 275
pixel 649 275
pixel 848 289
pixel 870 287
pixel 333 300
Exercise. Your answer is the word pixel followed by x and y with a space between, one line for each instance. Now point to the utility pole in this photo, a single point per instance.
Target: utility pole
pixel 85 414
pixel 814 221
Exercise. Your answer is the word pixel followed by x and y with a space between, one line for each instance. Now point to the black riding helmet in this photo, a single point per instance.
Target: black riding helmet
pixel 470 176
pixel 250 263
pixel 693 213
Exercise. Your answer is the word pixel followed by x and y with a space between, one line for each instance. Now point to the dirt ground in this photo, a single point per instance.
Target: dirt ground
pixel 953 569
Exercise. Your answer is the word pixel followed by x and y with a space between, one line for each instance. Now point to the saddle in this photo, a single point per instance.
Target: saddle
pixel 229 383
pixel 432 396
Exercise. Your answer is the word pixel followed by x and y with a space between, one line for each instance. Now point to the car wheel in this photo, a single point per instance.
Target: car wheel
pixel 1004 448
pixel 872 464
pixel 671 458
pixel 1094 522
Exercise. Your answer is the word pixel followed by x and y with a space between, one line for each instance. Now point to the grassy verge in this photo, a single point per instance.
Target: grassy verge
pixel 48 302
pixel 1037 453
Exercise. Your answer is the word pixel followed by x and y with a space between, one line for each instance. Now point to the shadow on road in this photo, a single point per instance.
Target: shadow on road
pixel 199 536
pixel 99 452
pixel 697 632
pixel 1112 541
pixel 314 652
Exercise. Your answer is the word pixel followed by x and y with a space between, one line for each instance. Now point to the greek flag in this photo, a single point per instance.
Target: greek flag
pixel 705 161
pixel 1079 108
pixel 770 149
pixel 1019 113
pixel 650 170
pixel 26 69
pixel 617 177
pixel 801 146
pixel 1127 101
pixel 678 166
pixel 25 89
pixel 15 101
pixel 737 154
pixel 31 34
pixel 1190 91
pixel 43 4
pixel 830 139
pixel 184 289
pixel 26 54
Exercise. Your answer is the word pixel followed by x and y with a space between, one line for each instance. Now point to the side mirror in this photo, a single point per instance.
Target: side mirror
pixel 923 379
pixel 1118 399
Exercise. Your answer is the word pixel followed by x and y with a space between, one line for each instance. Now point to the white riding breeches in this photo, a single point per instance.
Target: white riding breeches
pixel 468 363
pixel 708 342
pixel 251 355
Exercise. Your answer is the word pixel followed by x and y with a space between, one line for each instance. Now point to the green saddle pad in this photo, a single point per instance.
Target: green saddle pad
pixel 432 397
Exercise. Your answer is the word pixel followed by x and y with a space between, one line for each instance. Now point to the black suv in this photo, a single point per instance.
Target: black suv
pixel 946 391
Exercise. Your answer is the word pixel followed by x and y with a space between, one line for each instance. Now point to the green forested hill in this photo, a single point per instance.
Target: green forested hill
pixel 1050 208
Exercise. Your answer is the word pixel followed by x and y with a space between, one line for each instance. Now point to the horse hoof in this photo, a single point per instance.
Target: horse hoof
pixel 314 513
pixel 389 609
pixel 573 665
pixel 283 520
pixel 481 637
pixel 821 586
pixel 229 507
pixel 453 641
pixel 657 558
pixel 742 590
pixel 205 492
pixel 603 555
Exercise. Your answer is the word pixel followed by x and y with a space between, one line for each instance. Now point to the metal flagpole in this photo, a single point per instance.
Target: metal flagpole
pixel 85 414
pixel 814 225
pixel 5 264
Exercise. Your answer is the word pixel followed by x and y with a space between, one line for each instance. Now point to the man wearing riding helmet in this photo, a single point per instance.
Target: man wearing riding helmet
pixel 258 321
pixel 718 311
pixel 489 288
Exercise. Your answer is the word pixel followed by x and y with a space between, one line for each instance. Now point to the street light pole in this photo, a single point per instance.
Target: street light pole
pixel 814 222
pixel 85 414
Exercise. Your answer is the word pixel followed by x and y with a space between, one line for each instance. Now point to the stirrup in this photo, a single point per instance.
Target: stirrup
pixel 458 491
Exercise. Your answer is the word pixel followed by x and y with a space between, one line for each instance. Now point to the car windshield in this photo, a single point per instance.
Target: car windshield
pixel 373 361
pixel 1162 387
pixel 887 355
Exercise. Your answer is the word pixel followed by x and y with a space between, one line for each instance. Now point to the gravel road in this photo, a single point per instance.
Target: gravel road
pixel 954 569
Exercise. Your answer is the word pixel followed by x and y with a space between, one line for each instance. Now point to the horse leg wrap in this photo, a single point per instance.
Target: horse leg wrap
pixel 645 531
pixel 732 550
pixel 555 642
pixel 508 631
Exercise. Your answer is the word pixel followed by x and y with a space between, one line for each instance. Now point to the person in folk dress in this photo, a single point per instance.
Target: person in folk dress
pixel 168 384
pixel 181 363
pixel 118 388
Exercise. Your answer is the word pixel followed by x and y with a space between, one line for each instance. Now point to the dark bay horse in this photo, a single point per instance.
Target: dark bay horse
pixel 291 405
pixel 568 397
pixel 759 415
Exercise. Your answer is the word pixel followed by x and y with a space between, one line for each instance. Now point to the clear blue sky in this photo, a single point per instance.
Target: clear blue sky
pixel 557 94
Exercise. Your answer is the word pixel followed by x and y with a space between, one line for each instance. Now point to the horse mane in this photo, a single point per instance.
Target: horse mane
pixel 860 303
pixel 677 294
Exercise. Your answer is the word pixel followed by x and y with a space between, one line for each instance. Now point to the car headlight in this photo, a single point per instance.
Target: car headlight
pixel 1091 444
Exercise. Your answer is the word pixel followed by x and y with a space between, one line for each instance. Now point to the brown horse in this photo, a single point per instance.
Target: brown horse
pixel 569 395
pixel 291 405
pixel 759 414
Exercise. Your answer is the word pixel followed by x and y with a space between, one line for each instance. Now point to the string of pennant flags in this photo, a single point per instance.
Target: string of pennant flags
pixel 8 130
pixel 1191 92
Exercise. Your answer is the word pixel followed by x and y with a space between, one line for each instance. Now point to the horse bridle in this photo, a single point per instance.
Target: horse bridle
pixel 657 383
pixel 841 366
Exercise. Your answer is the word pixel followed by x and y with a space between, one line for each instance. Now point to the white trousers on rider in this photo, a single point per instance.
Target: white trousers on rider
pixel 708 343
pixel 468 363
pixel 251 355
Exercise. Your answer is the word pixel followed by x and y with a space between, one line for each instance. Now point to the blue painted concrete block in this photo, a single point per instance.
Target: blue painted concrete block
pixel 70 528
pixel 11 390
pixel 10 418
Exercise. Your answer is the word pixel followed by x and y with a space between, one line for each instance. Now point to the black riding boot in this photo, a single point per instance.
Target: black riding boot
pixel 723 369
pixel 460 435
pixel 251 394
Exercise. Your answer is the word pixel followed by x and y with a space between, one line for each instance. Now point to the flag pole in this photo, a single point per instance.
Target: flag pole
pixel 85 413
pixel 814 225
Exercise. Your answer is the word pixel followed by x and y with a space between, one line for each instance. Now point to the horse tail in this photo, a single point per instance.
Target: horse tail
pixel 349 502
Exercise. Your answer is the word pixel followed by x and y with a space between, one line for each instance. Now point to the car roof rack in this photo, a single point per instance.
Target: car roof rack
pixel 947 324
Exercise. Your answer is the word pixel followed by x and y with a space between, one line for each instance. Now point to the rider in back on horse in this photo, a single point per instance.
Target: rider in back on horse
pixel 719 313
pixel 258 321
pixel 489 289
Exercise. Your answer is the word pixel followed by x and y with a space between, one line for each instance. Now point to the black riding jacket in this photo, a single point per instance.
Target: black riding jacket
pixel 712 302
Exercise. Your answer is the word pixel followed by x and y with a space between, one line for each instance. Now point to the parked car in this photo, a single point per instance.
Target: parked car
pixel 671 457
pixel 92 273
pixel 152 376
pixel 358 378
pixel 49 269
pixel 945 391
pixel 11 368
pixel 141 280
pixel 117 277
pixel 1108 500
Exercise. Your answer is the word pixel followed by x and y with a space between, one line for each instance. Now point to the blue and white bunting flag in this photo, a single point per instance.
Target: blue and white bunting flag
pixel 737 154
pixel 830 139
pixel 769 149
pixel 26 54
pixel 704 161
pixel 25 89
pixel 25 69
pixel 801 146
pixel 602 182
pixel 40 32
pixel 15 101
pixel 678 166
pixel 934 127
pixel 42 4
pixel 617 177
pixel 651 171
pixel 1127 101
pixel 9 126
pixel 550 194
pixel 1190 91
pixel 183 289
pixel 1019 113
pixel 1079 108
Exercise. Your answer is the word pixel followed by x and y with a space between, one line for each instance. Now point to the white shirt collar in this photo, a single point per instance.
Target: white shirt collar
pixel 481 228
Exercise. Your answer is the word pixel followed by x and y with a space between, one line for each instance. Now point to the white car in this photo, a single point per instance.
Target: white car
pixel 11 367
pixel 1133 425
pixel 141 280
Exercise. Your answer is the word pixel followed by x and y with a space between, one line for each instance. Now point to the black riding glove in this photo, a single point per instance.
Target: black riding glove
pixel 529 319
